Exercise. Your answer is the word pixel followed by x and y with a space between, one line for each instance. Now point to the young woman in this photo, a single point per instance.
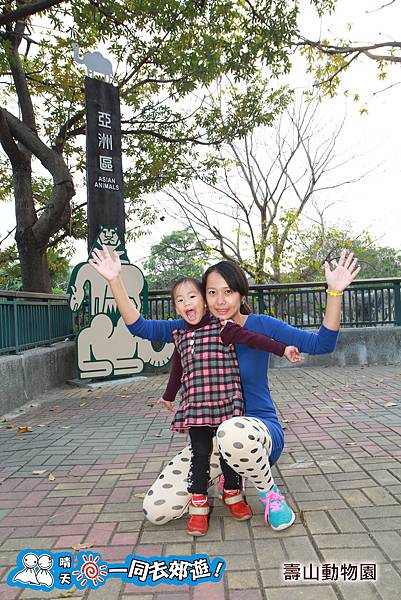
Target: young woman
pixel 253 443
pixel 205 367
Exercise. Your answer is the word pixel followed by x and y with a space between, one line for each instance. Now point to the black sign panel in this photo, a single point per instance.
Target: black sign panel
pixel 103 158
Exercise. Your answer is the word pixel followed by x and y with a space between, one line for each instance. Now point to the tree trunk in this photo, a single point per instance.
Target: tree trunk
pixel 33 260
pixel 33 233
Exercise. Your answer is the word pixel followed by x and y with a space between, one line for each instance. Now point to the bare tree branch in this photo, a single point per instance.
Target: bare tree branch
pixel 258 184
pixel 26 10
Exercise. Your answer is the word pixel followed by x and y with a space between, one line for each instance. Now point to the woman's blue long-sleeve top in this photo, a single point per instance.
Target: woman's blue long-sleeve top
pixel 253 364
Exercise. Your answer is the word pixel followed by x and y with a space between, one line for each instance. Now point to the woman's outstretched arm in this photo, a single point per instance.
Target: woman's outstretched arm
pixel 337 281
pixel 325 340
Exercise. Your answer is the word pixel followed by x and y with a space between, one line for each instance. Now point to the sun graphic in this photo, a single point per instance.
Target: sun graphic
pixel 90 570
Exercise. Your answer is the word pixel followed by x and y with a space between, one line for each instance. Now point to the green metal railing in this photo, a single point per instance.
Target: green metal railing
pixel 366 303
pixel 28 319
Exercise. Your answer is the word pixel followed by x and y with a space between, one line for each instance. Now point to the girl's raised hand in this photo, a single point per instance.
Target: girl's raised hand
pixel 106 265
pixel 169 405
pixel 293 354
pixel 344 273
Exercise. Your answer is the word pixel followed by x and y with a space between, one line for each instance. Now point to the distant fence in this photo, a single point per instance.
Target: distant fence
pixel 366 303
pixel 28 319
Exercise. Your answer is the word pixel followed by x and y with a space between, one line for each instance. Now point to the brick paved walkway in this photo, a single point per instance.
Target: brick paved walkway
pixel 341 471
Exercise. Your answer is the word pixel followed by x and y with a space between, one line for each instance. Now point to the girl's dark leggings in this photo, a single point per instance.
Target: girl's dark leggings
pixel 198 476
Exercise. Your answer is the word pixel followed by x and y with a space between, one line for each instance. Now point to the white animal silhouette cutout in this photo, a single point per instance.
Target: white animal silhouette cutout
pixel 28 574
pixel 94 62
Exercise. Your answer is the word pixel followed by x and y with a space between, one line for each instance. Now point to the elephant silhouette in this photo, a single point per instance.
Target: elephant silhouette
pixel 94 62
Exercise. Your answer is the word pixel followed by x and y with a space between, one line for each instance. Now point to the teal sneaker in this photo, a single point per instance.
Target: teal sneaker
pixel 277 512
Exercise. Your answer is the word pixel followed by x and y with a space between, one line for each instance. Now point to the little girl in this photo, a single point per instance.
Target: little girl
pixel 206 368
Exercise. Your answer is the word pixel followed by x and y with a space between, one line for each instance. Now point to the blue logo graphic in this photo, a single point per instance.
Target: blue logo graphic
pixel 44 570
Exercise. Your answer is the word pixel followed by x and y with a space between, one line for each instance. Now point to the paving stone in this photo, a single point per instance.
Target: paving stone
pixel 346 521
pixel 208 591
pixel 384 477
pixel 319 522
pixel 379 511
pixel 234 530
pixel 388 583
pixel 353 555
pixel 180 549
pixel 300 549
pixel 390 543
pixel 379 496
pixel 111 454
pixel 272 577
pixel 302 592
pixel 263 531
pixel 360 590
pixel 31 594
pixel 355 498
pixel 385 524
pixel 109 590
pixel 239 562
pixel 242 580
pixel 252 594
pixel 344 540
pixel 203 545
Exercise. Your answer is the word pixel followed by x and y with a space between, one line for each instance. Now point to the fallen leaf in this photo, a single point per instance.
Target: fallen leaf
pixel 82 546
pixel 151 405
pixel 51 477
pixel 302 516
pixel 24 429
pixel 140 495
pixel 39 472
pixel 388 404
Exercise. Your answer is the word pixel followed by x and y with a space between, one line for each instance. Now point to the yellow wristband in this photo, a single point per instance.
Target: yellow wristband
pixel 334 294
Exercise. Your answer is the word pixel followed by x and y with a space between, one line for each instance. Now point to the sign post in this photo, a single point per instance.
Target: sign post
pixel 104 346
pixel 103 159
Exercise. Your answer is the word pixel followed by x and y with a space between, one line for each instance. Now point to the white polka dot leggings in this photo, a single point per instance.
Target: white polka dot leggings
pixel 244 442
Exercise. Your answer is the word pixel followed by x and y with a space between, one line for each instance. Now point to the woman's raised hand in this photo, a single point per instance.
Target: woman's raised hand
pixel 344 273
pixel 106 265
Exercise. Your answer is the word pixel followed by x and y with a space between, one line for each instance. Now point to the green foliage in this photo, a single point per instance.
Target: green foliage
pixel 314 245
pixel 379 261
pixel 178 254
pixel 189 75
pixel 328 59
pixel 59 269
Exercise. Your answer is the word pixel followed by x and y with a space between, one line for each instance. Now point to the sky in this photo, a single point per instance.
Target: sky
pixel 372 138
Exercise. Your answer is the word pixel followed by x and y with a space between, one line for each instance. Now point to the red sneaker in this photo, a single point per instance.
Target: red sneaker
pixel 236 504
pixel 198 520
